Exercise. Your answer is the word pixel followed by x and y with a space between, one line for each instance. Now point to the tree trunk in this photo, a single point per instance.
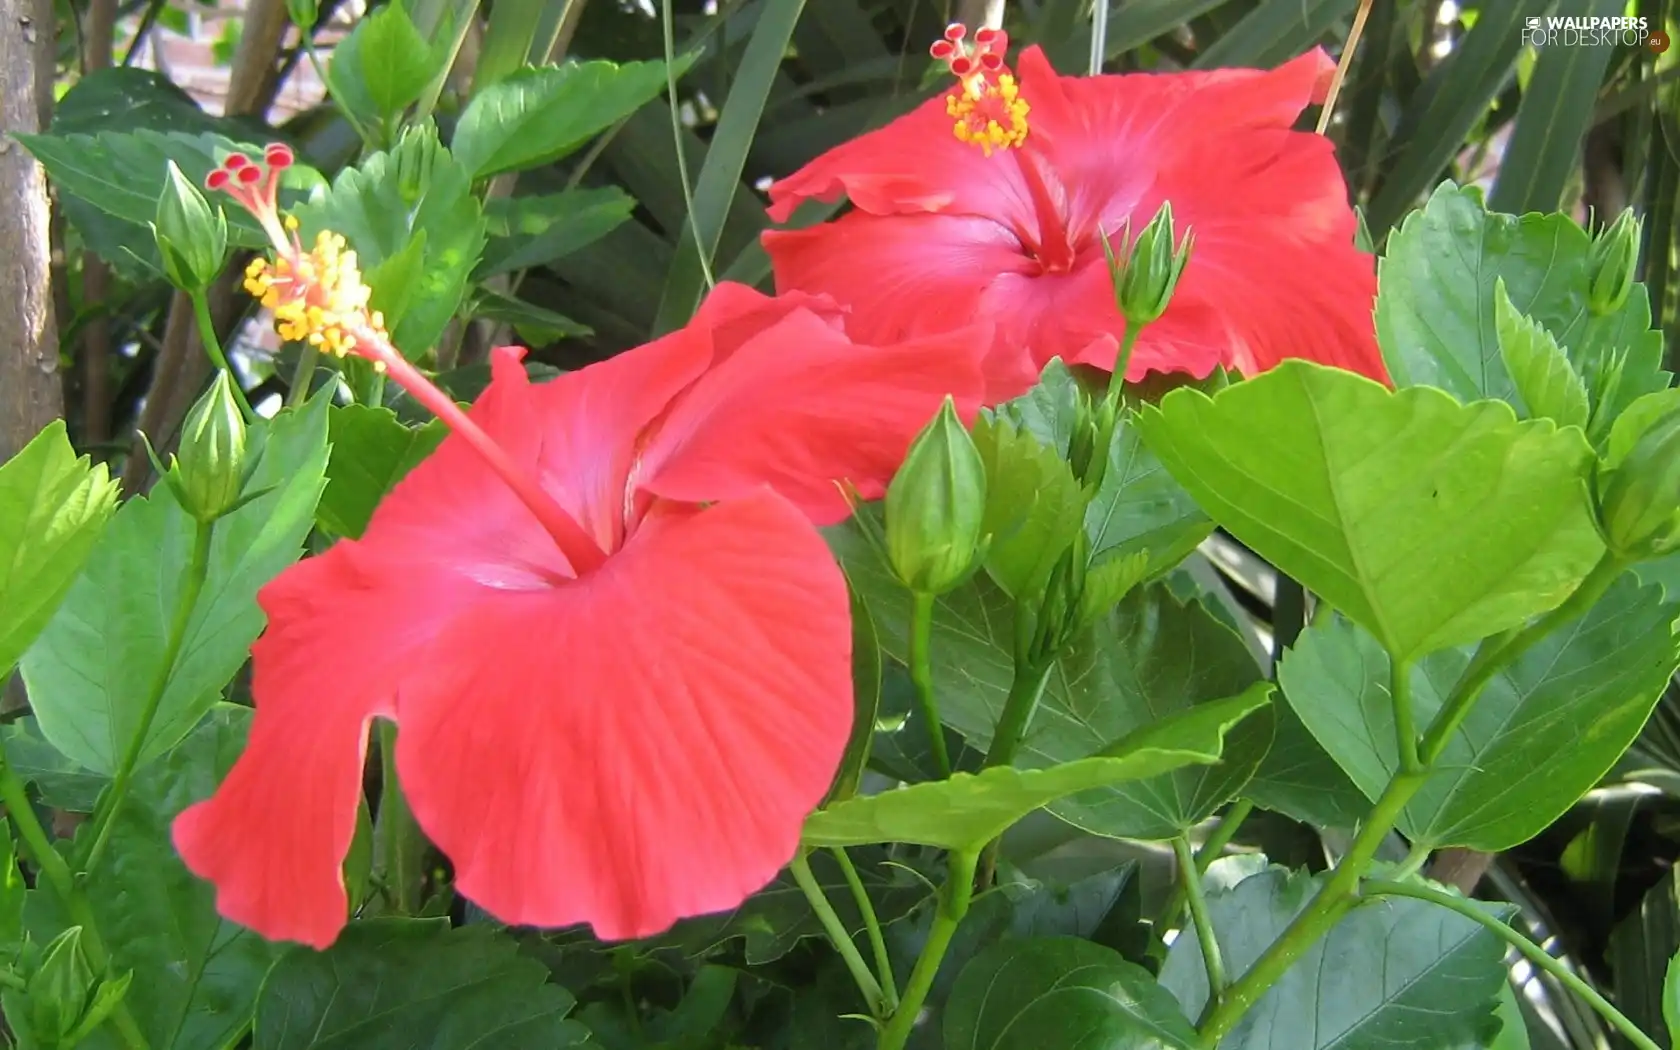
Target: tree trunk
pixel 31 394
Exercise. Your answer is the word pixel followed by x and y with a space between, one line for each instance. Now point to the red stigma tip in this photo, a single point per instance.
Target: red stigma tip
pixel 235 161
pixel 249 174
pixel 956 31
pixel 216 180
pixel 279 156
pixel 990 62
pixel 962 65
pixel 942 50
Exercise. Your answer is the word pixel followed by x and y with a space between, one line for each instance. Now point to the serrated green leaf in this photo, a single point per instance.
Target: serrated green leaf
pixel 383 65
pixel 1050 410
pixel 1034 505
pixel 1393 972
pixel 536 116
pixel 415 190
pixel 533 231
pixel 1543 733
pixel 89 672
pixel 1141 508
pixel 196 975
pixel 1545 381
pixel 1062 992
pixel 371 452
pixel 969 810
pixel 414 984
pixel 1428 522
pixel 53 509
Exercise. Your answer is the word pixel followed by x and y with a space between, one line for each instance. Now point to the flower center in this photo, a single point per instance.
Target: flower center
pixel 987 104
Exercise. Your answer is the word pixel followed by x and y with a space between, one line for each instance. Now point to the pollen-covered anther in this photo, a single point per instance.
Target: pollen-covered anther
pixel 986 107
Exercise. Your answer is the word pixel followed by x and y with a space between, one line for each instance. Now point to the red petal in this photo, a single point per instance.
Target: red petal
pixel 643 745
pixel 342 629
pixel 914 164
pixel 909 277
pixel 800 407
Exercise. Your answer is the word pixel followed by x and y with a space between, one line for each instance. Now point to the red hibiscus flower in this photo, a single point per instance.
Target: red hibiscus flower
pixel 617 649
pixel 943 232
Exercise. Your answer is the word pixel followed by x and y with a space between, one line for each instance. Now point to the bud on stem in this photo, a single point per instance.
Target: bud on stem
pixel 191 238
pixel 935 506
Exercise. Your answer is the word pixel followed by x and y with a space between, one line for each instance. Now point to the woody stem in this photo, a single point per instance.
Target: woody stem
pixel 579 546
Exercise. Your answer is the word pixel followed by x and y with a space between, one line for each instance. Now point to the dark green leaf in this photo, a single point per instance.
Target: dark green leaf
pixel 536 325
pixel 196 976
pixel 61 783
pixel 1274 32
pixel 1542 155
pixel 1064 993
pixel 969 810
pixel 866 698
pixel 1393 972
pixel 53 508
pixel 537 116
pixel 533 231
pixel 1139 507
pixel 417 230
pixel 1543 733
pixel 1299 779
pixel 414 984
pixel 371 451
pixel 89 672
pixel 1640 953
pixel 1428 522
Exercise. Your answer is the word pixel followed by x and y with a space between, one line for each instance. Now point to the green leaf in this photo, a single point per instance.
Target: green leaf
pixel 1428 522
pixel 195 975
pixel 774 920
pixel 53 508
pixel 866 697
pixel 89 672
pixel 414 984
pixel 1299 779
pixel 1393 972
pixel 382 66
pixel 1642 947
pixel 1152 657
pixel 1671 1000
pixel 1274 32
pixel 1543 153
pixel 371 452
pixel 1034 506
pixel 534 231
pixel 1061 992
pixel 536 116
pixel 1050 410
pixel 383 208
pixel 534 324
pixel 1544 732
pixel 122 173
pixel 1438 325
pixel 1139 507
pixel 1546 383
pixel 719 182
pixel 59 782
pixel 969 810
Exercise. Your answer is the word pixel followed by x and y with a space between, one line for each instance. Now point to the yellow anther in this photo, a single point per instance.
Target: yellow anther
pixel 989 113
pixel 318 297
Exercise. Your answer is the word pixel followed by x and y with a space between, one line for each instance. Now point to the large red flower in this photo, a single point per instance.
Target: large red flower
pixel 942 233
pixel 620 716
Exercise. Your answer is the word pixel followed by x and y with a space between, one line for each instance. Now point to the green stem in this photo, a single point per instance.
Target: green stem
pixel 872 925
pixel 304 376
pixel 213 347
pixel 1025 691
pixel 959 890
pixel 921 673
pixel 666 20
pixel 192 583
pixel 400 846
pixel 1320 914
pixel 1117 379
pixel 1531 951
pixel 1491 659
pixel 65 887
pixel 1405 729
pixel 1191 879
pixel 837 934
pixel 1211 850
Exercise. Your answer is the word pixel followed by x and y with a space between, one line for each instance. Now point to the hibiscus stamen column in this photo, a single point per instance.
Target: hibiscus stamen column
pixel 319 298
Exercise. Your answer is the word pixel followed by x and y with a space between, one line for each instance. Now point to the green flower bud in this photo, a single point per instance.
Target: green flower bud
pixel 1612 261
pixel 212 456
pixel 1146 271
pixel 1639 496
pixel 59 991
pixel 192 238
pixel 935 506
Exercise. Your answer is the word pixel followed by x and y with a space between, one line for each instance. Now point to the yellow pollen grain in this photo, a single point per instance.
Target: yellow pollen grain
pixel 989 101
pixel 317 297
